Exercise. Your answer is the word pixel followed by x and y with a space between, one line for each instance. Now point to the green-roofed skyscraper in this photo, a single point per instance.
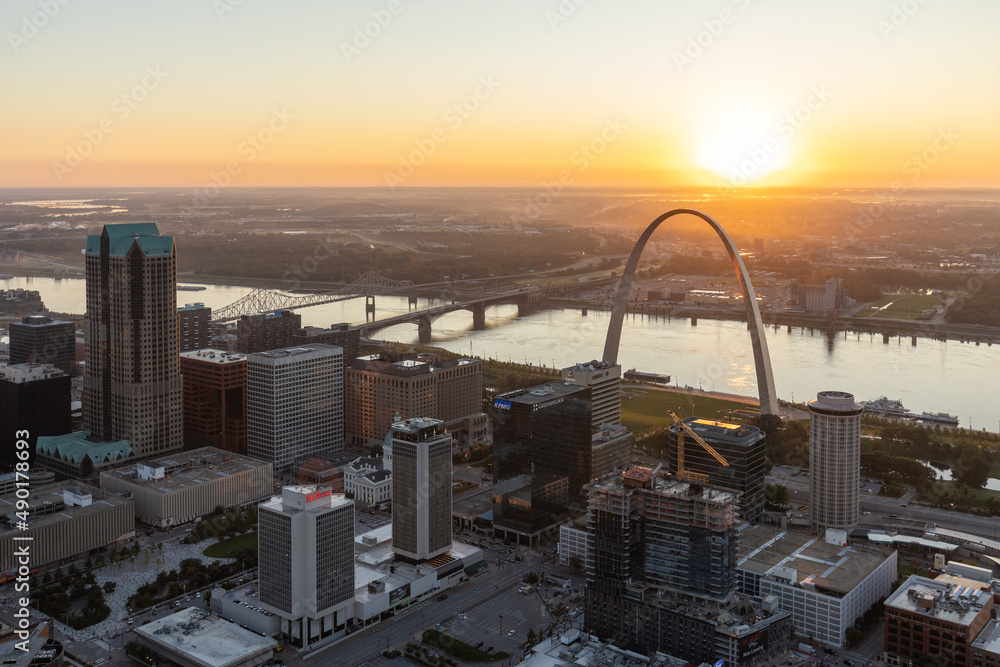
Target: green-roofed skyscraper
pixel 132 385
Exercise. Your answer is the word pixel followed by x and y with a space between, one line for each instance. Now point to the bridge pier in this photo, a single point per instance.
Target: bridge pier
pixel 479 317
pixel 424 329
pixel 370 307
pixel 411 300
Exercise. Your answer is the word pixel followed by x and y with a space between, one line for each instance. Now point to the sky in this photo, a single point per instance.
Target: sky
pixel 410 93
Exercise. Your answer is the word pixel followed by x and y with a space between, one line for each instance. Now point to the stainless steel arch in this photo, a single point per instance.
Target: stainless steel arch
pixel 762 360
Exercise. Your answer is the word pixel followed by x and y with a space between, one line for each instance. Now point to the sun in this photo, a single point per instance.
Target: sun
pixel 741 144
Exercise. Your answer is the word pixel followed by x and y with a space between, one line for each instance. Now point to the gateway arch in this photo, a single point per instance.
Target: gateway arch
pixel 762 360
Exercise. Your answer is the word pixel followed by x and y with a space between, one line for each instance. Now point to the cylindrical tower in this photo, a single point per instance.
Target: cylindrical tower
pixel 834 460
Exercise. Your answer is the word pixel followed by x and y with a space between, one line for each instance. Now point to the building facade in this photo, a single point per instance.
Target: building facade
pixel 266 331
pixel 605 381
pixel 194 327
pixel 339 335
pixel 834 460
pixel 295 403
pixel 421 489
pixel 35 399
pixel 181 488
pixel 132 384
pixel 542 449
pixel 380 387
pixel 215 399
pixel 741 445
pixel 610 448
pixel 306 563
pixel 41 340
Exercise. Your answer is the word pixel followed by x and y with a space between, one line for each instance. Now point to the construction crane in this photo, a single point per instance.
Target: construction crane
pixel 682 473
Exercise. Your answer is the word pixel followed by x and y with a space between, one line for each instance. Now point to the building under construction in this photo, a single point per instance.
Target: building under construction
pixel 661 573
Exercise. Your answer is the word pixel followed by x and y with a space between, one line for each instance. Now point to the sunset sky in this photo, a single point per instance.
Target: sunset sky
pixel 286 93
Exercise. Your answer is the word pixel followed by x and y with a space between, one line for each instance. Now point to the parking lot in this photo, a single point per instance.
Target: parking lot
pixel 501 622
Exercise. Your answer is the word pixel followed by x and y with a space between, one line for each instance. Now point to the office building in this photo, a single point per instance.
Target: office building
pixel 215 399
pixel 380 387
pixel 192 637
pixel 266 331
pixel 194 327
pixel 183 487
pixel 660 563
pixel 132 384
pixel 834 460
pixel 824 585
pixel 78 456
pixel 295 403
pixel 542 448
pixel 605 381
pixel 39 339
pixel 35 399
pixel 20 301
pixel 928 618
pixel 339 335
pixel 741 445
pixel 65 520
pixel 986 647
pixel 610 448
pixel 421 489
pixel 306 563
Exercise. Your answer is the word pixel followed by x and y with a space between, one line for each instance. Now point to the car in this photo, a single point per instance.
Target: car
pixel 130 621
pixel 849 663
pixel 198 595
pixel 829 651
pixel 442 597
pixel 463 617
pixel 904 505
pixel 177 604
pixel 489 650
pixel 480 645
pixel 512 633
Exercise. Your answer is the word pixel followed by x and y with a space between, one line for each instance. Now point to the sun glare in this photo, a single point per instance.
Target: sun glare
pixel 741 144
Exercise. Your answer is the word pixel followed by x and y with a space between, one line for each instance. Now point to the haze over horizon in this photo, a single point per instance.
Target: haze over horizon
pixel 443 93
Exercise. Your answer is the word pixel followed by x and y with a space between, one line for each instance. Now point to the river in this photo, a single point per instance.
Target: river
pixel 934 376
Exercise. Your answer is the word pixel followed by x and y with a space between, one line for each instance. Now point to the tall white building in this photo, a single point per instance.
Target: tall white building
pixel 295 403
pixel 306 563
pixel 834 460
pixel 605 381
pixel 421 489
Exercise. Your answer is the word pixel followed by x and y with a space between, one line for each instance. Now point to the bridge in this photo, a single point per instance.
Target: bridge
pixel 525 298
pixel 264 300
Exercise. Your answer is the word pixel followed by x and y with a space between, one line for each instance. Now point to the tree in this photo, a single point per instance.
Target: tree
pixel 775 496
pixel 972 470
pixel 853 636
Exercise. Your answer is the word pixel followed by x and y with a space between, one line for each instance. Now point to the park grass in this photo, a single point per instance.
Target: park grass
pixel 902 306
pixel 228 548
pixel 645 409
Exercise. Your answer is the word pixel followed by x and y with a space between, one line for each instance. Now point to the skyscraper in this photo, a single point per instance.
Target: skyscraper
pixel 132 385
pixel 33 398
pixel 421 489
pixel 605 381
pixel 295 403
pixel 306 564
pixel 542 450
pixel 741 445
pixel 834 460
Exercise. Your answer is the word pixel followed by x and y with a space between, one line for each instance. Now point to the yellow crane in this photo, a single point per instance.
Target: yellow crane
pixel 682 473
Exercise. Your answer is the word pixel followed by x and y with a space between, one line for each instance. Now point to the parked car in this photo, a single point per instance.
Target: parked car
pixel 443 596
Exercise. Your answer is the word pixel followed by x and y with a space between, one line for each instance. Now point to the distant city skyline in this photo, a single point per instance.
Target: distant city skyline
pixel 395 93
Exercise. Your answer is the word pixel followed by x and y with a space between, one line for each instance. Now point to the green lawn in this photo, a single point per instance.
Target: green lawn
pixel 901 306
pixel 228 548
pixel 645 409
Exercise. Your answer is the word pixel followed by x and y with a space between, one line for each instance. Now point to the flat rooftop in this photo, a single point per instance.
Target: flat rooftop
pixel 830 568
pixel 189 469
pixel 664 485
pixel 542 393
pixel 205 639
pixel 989 638
pixel 715 431
pixel 210 356
pixel 939 600
pixel 47 505
pixel 298 351
pixel 474 505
